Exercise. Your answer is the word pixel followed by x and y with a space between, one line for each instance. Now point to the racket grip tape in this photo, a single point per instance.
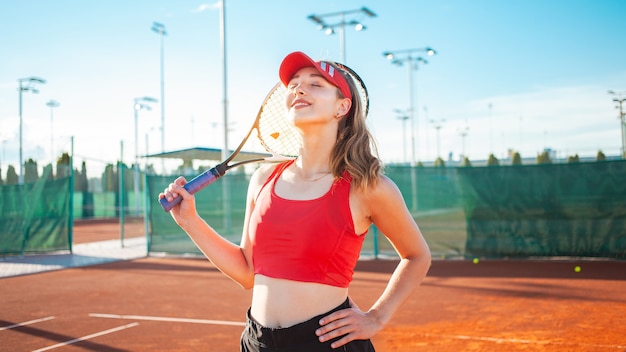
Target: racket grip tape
pixel 193 186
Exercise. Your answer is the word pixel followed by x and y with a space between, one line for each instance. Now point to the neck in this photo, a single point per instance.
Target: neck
pixel 317 147
pixel 311 169
pixel 318 141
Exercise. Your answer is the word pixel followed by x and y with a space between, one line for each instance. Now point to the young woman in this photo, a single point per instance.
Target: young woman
pixel 305 222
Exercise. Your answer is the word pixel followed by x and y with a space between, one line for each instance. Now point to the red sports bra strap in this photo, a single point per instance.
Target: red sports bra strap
pixel 278 170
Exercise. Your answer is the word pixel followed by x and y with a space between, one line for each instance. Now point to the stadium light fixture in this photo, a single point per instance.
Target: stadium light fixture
pixel 356 17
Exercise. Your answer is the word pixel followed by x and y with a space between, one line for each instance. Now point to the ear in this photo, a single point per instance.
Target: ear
pixel 344 107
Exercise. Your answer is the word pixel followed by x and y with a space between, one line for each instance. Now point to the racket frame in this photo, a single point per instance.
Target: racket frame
pixel 211 175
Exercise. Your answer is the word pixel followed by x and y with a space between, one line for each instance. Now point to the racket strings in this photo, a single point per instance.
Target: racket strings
pixel 276 132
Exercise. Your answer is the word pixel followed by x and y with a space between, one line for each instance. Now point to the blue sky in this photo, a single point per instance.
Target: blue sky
pixel 515 74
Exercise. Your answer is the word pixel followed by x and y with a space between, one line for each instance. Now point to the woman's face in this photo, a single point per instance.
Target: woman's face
pixel 312 98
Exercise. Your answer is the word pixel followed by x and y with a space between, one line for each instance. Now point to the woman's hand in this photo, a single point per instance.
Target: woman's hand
pixel 351 322
pixel 187 207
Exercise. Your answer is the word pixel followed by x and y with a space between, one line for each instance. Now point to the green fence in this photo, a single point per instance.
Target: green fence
pixel 36 217
pixel 574 210
pixel 166 236
pixel 439 212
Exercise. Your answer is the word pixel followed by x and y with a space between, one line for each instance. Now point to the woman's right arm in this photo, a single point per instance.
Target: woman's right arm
pixel 233 260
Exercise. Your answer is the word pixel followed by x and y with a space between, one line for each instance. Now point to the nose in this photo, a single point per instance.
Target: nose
pixel 297 90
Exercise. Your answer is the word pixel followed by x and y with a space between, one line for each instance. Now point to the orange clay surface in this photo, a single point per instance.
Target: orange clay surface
pixel 185 304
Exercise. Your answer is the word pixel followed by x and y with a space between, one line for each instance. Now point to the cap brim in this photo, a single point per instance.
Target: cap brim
pixel 292 63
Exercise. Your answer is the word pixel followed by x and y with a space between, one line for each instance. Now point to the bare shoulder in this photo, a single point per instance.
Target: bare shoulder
pixel 383 189
pixel 382 198
pixel 378 198
pixel 263 172
pixel 259 177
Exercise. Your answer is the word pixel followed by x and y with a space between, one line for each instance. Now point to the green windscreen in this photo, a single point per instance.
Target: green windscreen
pixel 35 217
pixel 576 209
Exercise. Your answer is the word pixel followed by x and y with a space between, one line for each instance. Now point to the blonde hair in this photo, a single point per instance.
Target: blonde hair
pixel 355 150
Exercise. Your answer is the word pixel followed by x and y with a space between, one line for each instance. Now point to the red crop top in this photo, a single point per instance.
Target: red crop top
pixel 305 240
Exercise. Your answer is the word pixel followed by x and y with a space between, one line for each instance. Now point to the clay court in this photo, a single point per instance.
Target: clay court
pixel 185 304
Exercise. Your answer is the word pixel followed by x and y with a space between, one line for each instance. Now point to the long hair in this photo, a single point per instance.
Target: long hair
pixel 355 150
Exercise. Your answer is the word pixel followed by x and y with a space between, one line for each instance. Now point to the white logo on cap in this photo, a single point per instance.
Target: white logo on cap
pixel 328 68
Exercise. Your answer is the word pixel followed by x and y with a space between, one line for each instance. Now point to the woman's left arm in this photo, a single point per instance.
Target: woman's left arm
pixel 387 210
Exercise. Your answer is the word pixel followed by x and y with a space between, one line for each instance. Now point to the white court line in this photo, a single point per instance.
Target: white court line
pixel 119 328
pixel 26 323
pixel 177 320
pixel 539 342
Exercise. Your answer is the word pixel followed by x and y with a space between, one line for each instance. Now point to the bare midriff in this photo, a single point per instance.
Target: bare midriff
pixel 279 303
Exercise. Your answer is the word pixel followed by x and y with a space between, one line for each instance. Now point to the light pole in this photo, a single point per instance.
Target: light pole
pixel 399 57
pixel 620 98
pixel 139 103
pixel 463 133
pixel 438 124
pixel 4 142
pixel 403 116
pixel 329 28
pixel 52 104
pixel 413 62
pixel 26 85
pixel 160 29
pixel 490 128
pixel 225 149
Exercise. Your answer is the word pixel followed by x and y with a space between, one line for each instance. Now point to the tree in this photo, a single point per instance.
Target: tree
pixel 11 176
pixel 600 156
pixel 544 158
pixel 439 162
pixel 149 169
pixel 573 159
pixel 466 162
pixel 30 171
pixel 63 166
pixel 80 179
pixel 82 185
pixel 47 172
pixel 517 159
pixel 108 178
pixel 492 161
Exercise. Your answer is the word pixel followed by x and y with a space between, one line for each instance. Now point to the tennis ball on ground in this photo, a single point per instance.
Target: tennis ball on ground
pixel 577 268
pixel 475 260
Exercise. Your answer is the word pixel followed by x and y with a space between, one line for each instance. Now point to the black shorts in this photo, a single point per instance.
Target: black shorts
pixel 300 337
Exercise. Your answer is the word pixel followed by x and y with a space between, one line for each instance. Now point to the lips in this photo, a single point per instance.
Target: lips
pixel 300 103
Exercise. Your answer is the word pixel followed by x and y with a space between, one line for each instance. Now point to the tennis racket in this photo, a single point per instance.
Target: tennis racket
pixel 275 132
pixel 362 94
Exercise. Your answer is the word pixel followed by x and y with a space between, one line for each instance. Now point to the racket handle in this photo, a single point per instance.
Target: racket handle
pixel 193 186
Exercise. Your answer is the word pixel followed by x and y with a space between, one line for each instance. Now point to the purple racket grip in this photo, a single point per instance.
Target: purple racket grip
pixel 193 186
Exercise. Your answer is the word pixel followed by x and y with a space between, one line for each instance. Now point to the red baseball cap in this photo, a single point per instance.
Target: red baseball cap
pixel 297 60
